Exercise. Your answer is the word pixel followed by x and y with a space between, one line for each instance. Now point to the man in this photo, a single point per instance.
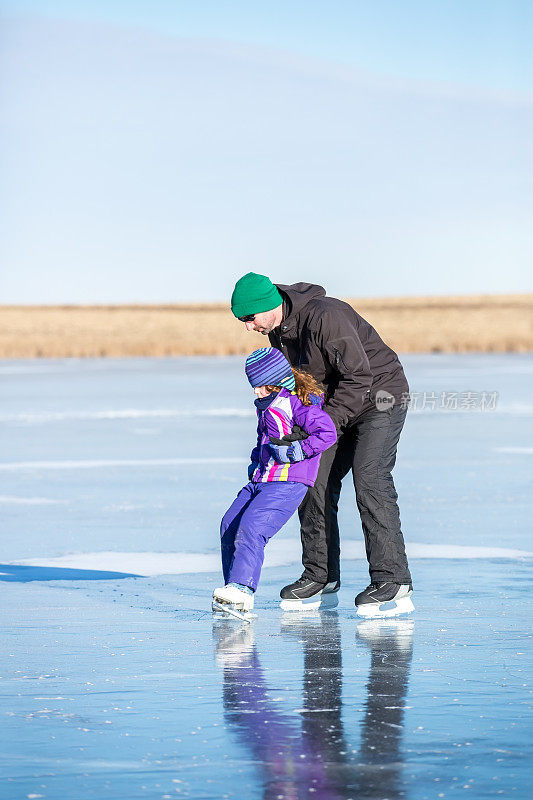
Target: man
pixel 365 393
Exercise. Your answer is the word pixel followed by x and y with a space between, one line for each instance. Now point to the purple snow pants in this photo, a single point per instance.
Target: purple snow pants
pixel 256 514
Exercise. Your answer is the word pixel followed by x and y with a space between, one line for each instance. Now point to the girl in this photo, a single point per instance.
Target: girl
pixel 283 465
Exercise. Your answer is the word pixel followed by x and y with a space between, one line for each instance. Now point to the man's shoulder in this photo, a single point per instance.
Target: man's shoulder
pixel 324 306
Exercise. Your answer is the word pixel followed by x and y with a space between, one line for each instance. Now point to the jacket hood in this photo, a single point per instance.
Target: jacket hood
pixel 299 294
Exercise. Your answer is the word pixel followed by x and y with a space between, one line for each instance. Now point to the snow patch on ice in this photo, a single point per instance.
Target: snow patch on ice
pixel 102 463
pixel 30 501
pixel 146 564
pixel 417 550
pixel 43 417
pixel 125 413
pixel 516 450
pixel 513 408
pixel 277 554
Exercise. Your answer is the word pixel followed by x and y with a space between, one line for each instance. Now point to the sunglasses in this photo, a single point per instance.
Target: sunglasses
pixel 247 318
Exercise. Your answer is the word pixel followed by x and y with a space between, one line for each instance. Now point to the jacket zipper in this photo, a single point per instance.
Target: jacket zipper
pixel 339 358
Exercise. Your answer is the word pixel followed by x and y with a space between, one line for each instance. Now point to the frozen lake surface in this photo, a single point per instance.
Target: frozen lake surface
pixel 117 683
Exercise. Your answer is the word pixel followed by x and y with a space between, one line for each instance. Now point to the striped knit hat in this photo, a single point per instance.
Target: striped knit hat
pixel 269 367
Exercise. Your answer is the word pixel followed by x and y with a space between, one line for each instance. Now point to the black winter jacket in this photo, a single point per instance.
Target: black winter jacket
pixel 327 338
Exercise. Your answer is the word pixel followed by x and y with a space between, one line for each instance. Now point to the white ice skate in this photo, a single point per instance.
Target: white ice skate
pixel 384 600
pixel 233 601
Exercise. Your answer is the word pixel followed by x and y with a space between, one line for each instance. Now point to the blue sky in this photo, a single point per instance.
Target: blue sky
pixel 154 152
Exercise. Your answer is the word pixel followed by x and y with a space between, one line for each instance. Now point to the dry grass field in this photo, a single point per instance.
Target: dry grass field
pixel 484 323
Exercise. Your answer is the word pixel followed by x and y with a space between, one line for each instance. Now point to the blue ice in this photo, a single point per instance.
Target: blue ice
pixel 117 682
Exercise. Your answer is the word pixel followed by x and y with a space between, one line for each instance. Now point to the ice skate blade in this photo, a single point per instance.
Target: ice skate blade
pixel 319 601
pixel 392 608
pixel 226 609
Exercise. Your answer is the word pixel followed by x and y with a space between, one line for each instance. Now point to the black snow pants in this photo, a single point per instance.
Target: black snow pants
pixel 367 447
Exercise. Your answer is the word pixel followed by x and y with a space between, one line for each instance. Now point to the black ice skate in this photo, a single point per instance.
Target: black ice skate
pixel 385 599
pixel 305 594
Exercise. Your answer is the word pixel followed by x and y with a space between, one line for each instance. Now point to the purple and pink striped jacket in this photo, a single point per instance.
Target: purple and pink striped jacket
pixel 277 420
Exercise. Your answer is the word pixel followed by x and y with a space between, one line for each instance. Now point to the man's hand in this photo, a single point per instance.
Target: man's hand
pixel 296 434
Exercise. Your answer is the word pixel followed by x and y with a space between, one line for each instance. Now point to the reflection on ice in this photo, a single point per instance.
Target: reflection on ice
pixel 310 752
pixel 391 646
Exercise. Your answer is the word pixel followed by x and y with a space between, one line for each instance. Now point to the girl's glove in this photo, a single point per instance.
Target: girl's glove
pixel 287 454
pixel 295 452
pixel 251 469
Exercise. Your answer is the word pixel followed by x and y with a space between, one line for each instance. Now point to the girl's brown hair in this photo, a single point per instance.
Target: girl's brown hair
pixel 305 385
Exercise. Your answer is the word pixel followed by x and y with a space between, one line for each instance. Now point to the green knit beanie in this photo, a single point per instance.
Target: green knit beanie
pixel 253 294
